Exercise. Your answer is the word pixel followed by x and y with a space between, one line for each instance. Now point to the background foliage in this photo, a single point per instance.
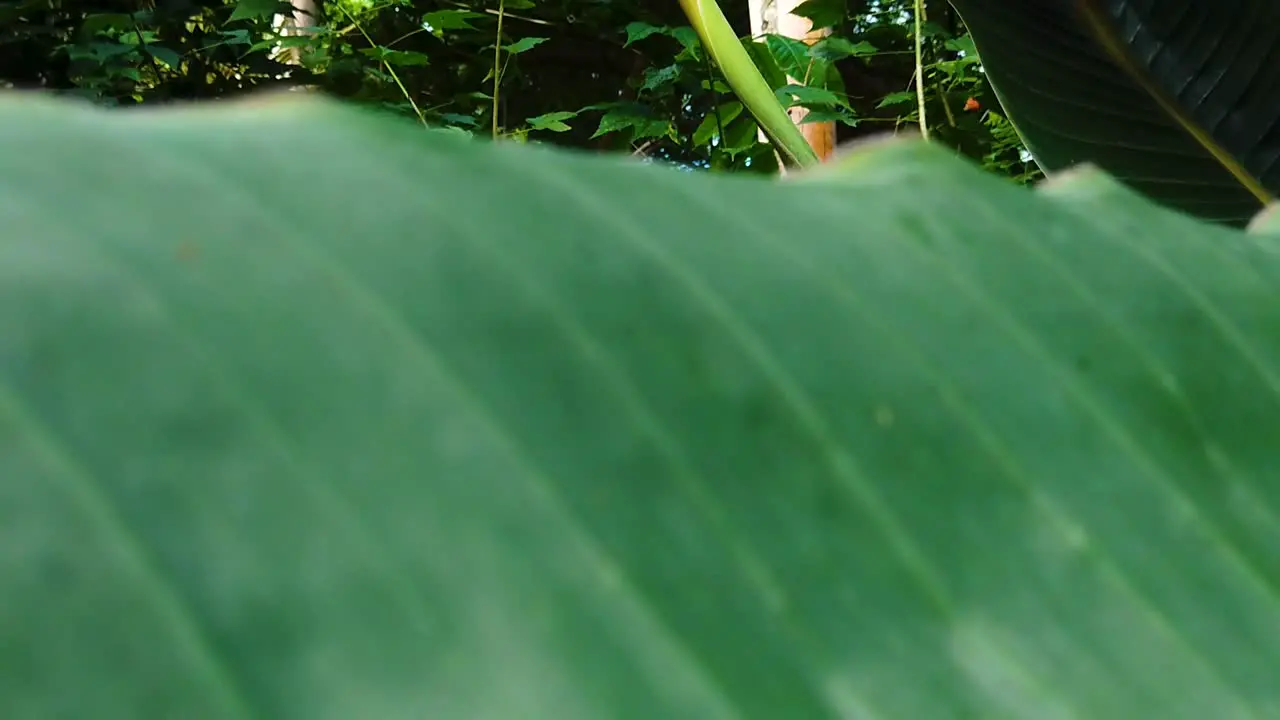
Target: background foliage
pixel 608 75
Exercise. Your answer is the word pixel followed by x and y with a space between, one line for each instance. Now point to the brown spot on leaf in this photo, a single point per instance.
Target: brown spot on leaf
pixel 188 251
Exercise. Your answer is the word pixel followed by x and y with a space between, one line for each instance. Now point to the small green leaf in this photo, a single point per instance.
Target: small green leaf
pixel 170 58
pixel 741 134
pixel 553 121
pixel 837 48
pixel 235 37
pixel 710 125
pixel 932 29
pixel 614 121
pixel 897 98
pixel 257 9
pixel 99 51
pixel 839 115
pixel 653 128
pixel 458 119
pixel 524 45
pixel 962 44
pixel 140 38
pixel 554 127
pixel 822 13
pixel 766 63
pixel 624 119
pixel 794 59
pixel 638 31
pixel 688 38
pixel 805 95
pixel 657 77
pixel 396 57
pixel 100 22
pixel 438 21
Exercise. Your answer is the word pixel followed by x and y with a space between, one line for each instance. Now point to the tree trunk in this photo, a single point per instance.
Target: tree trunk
pixel 775 17
pixel 305 16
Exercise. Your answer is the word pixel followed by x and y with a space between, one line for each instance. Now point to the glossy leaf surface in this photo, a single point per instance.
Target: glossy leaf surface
pixel 1178 98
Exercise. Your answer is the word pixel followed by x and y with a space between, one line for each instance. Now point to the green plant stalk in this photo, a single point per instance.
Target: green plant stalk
pixel 422 118
pixel 715 105
pixel 747 82
pixel 924 123
pixel 497 66
pixel 946 107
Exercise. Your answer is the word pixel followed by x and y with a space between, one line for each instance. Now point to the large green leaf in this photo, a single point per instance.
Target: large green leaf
pixel 1179 98
pixel 423 428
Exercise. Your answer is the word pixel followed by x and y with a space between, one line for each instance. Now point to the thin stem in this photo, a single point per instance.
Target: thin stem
pixel 715 103
pixel 946 107
pixel 924 124
pixel 422 118
pixel 497 65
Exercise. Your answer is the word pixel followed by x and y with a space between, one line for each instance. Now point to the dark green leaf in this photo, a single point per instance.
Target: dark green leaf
pixel 258 9
pixel 955 69
pixel 655 78
pixel 741 134
pixel 822 13
pixel 803 95
pixel 792 56
pixel 1075 101
pixel 524 45
pixel 101 22
pixel 441 21
pixel 140 38
pixel 396 57
pixel 654 128
pixel 897 98
pixel 638 31
pixel 620 119
pixel 688 38
pixel 717 85
pixel 170 58
pixel 962 44
pixel 839 115
pixel 458 119
pixel 100 50
pixel 711 124
pixel 235 37
pixel 837 48
pixel 762 56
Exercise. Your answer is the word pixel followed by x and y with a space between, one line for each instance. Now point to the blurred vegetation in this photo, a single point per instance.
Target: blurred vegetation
pixel 606 75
